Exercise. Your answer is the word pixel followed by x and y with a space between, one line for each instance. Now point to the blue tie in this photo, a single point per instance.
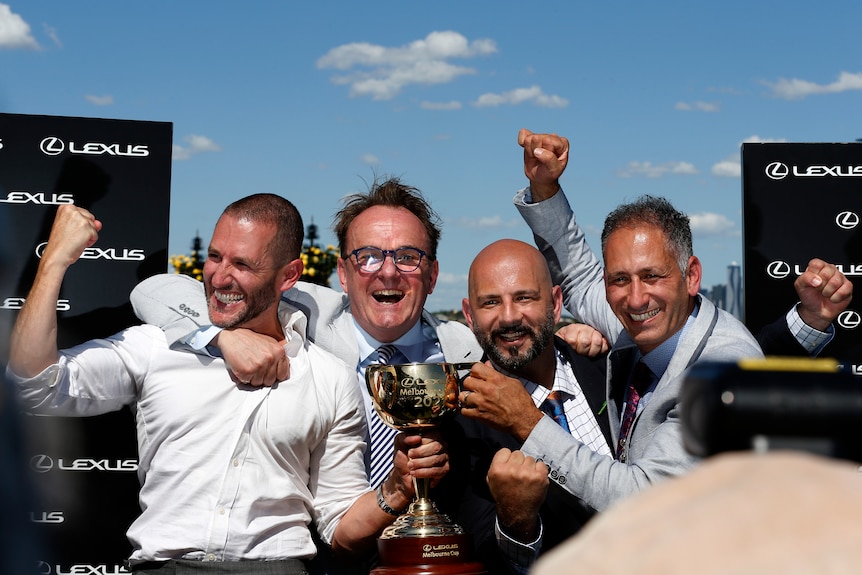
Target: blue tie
pixel 382 435
pixel 553 406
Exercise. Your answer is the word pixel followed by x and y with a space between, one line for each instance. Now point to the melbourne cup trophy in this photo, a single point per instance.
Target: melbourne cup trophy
pixel 422 541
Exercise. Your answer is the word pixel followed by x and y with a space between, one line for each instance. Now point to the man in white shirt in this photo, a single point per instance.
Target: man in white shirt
pixel 232 475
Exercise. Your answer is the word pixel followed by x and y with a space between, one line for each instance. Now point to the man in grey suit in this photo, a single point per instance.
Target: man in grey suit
pixel 645 300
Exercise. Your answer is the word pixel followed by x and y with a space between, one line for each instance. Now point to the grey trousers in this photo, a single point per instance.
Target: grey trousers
pixel 181 567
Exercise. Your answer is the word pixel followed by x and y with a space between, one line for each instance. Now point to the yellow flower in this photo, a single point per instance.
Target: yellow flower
pixel 319 264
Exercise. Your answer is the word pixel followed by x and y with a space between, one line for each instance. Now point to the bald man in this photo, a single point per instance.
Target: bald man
pixel 513 309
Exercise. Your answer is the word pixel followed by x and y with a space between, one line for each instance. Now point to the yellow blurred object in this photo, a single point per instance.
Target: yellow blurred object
pixel 778 363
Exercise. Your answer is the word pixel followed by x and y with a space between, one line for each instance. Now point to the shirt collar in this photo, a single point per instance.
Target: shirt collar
pixel 295 328
pixel 658 359
pixel 564 380
pixel 368 345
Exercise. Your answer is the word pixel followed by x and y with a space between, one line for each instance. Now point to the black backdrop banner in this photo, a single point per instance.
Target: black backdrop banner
pixel 84 470
pixel 801 201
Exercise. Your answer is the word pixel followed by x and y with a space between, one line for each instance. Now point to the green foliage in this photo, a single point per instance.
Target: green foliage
pixel 319 264
pixel 189 266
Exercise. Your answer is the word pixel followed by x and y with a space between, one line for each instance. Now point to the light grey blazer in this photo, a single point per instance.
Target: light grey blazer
pixel 655 448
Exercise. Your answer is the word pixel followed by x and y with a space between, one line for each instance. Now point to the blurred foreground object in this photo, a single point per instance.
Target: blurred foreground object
pixel 803 404
pixel 741 513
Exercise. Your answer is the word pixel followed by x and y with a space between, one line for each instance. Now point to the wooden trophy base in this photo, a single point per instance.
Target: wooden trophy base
pixel 436 555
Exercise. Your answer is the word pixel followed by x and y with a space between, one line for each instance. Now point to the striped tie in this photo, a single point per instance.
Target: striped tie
pixel 382 435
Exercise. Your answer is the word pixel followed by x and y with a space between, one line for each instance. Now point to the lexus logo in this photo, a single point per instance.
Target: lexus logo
pixel 41 463
pixel 778 270
pixel 777 171
pixel 52 146
pixel 847 220
pixel 849 319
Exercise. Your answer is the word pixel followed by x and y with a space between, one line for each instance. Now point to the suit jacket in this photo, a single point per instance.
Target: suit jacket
pixel 464 495
pixel 655 447
pixel 777 339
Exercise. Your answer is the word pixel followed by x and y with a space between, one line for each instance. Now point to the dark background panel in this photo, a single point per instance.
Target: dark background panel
pixel 83 470
pixel 800 201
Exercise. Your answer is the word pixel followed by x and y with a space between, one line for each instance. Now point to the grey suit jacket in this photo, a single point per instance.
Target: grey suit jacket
pixel 655 448
pixel 177 304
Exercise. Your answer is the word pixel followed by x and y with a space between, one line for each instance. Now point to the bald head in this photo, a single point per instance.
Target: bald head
pixel 513 307
pixel 502 261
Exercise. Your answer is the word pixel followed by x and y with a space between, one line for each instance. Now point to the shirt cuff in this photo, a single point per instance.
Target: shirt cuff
pixel 520 556
pixel 201 338
pixel 813 340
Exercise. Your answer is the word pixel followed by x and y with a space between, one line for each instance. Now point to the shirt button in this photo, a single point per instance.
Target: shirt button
pixel 211 557
pixel 236 463
pixel 220 510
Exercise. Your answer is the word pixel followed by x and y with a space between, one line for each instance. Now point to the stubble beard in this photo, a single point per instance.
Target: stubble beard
pixel 256 303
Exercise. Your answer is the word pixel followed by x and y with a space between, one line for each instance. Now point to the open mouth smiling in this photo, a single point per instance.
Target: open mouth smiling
pixel 512 335
pixel 388 296
pixel 643 316
pixel 228 298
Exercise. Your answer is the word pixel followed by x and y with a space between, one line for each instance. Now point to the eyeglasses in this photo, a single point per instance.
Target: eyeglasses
pixel 370 259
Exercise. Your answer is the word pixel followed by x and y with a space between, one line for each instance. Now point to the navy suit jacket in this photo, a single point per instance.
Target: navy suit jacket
pixel 464 495
pixel 776 339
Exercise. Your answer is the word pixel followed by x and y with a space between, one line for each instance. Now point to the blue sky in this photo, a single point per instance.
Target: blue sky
pixel 310 100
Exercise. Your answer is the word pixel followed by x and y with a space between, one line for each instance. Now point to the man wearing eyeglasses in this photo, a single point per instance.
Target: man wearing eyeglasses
pixel 388 241
pixel 388 267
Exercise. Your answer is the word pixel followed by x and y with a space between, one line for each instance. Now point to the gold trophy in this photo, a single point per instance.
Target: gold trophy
pixel 422 541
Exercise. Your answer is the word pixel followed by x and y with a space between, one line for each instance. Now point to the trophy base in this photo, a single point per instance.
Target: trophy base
pixel 424 541
pixel 436 555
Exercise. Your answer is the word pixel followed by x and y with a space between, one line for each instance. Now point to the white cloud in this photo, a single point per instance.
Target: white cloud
pixel 730 167
pixel 532 94
pixel 370 159
pixel 100 100
pixel 196 145
pixel 14 31
pixel 382 72
pixel 796 89
pixel 650 170
pixel 709 224
pixel 697 106
pixel 755 139
pixel 487 222
pixel 51 32
pixel 453 105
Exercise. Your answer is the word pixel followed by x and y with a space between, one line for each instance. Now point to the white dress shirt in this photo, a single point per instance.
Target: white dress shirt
pixel 228 472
